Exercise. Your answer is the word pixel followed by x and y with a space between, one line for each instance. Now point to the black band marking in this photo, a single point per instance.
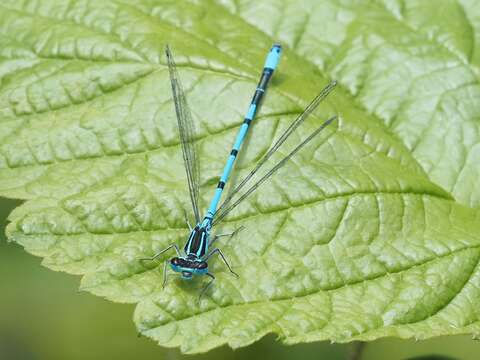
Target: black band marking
pixel 257 97
pixel 221 185
pixel 234 152
pixel 247 121
pixel 262 84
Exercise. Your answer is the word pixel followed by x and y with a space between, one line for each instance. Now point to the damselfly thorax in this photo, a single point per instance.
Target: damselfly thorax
pixel 195 249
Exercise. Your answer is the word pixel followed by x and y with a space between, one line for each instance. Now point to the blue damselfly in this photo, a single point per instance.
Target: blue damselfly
pixel 196 253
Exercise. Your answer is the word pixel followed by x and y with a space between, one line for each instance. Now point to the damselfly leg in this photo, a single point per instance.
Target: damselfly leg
pixel 217 250
pixel 207 286
pixel 161 252
pixel 177 250
pixel 165 269
pixel 231 234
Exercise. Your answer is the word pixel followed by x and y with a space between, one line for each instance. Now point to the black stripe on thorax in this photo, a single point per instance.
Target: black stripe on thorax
pixel 204 245
pixel 197 244
pixel 189 242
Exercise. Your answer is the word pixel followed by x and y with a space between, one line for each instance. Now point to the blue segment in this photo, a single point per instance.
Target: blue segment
pixel 251 111
pixel 228 168
pixel 215 200
pixel 273 57
pixel 240 136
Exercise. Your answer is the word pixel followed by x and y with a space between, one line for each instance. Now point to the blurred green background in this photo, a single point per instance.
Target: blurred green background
pixel 44 317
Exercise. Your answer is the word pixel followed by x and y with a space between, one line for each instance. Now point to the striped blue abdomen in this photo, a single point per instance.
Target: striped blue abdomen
pixel 270 65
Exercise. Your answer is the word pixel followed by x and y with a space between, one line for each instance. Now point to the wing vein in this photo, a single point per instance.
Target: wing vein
pixel 273 170
pixel 187 132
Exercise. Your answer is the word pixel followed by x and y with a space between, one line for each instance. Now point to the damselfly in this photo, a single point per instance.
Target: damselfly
pixel 194 259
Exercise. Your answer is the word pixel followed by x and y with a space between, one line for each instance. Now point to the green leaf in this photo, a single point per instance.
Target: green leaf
pixel 371 231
